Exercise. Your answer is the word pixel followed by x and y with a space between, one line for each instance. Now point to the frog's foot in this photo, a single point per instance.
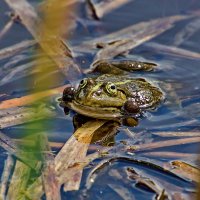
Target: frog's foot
pixel 121 66
pixel 131 107
pixel 131 111
pixel 130 121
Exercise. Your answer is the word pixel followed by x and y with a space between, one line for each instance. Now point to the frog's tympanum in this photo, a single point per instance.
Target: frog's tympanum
pixel 113 96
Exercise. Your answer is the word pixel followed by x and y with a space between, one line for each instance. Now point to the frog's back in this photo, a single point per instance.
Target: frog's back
pixel 111 78
pixel 139 90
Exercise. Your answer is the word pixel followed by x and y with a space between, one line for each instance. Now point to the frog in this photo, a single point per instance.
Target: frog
pixel 111 94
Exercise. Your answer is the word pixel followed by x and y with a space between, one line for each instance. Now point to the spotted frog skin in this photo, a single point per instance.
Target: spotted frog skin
pixel 111 96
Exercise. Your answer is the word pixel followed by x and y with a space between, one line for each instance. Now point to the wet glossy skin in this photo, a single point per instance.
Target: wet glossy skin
pixel 112 96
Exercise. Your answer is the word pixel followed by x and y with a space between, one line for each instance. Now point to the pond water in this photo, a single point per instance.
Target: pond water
pixel 177 75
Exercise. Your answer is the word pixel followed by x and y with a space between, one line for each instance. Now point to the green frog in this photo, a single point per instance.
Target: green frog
pixel 113 95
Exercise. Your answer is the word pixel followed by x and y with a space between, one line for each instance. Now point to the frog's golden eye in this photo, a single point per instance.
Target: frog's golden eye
pixel 83 83
pixel 111 88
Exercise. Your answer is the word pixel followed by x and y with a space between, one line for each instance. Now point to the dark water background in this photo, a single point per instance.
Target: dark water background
pixel 178 77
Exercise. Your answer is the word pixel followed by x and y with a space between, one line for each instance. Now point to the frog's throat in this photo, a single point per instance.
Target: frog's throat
pixel 95 112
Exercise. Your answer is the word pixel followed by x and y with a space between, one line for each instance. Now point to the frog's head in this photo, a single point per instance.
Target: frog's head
pixel 99 94
pixel 97 99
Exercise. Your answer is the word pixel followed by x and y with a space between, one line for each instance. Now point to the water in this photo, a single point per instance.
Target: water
pixel 178 77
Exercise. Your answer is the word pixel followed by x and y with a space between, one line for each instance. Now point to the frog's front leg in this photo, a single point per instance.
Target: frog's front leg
pixel 121 66
pixel 130 107
pixel 130 111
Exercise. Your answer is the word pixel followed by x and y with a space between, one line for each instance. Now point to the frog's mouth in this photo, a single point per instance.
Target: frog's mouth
pixel 95 112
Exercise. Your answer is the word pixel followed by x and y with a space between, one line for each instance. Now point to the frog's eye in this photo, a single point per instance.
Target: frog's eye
pixel 83 83
pixel 111 88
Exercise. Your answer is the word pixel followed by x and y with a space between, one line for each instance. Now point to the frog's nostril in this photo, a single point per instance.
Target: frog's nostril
pixel 90 81
pixel 98 93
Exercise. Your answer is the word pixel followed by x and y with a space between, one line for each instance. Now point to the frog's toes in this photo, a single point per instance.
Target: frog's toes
pixel 130 121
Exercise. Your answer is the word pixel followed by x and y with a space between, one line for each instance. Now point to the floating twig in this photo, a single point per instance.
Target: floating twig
pixel 21 115
pixel 107 162
pixel 139 31
pixel 19 181
pixel 6 28
pixel 185 33
pixel 167 143
pixel 70 161
pixel 177 134
pixel 8 144
pixel 147 182
pixel 26 100
pixel 98 10
pixel 16 48
pixel 48 40
pixel 133 36
pixel 14 149
pixel 16 73
pixel 184 169
pixel 167 154
pixel 70 156
pixel 173 50
pixel 49 179
pixel 5 178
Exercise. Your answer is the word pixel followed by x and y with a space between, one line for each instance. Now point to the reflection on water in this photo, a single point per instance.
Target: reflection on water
pixel 177 75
